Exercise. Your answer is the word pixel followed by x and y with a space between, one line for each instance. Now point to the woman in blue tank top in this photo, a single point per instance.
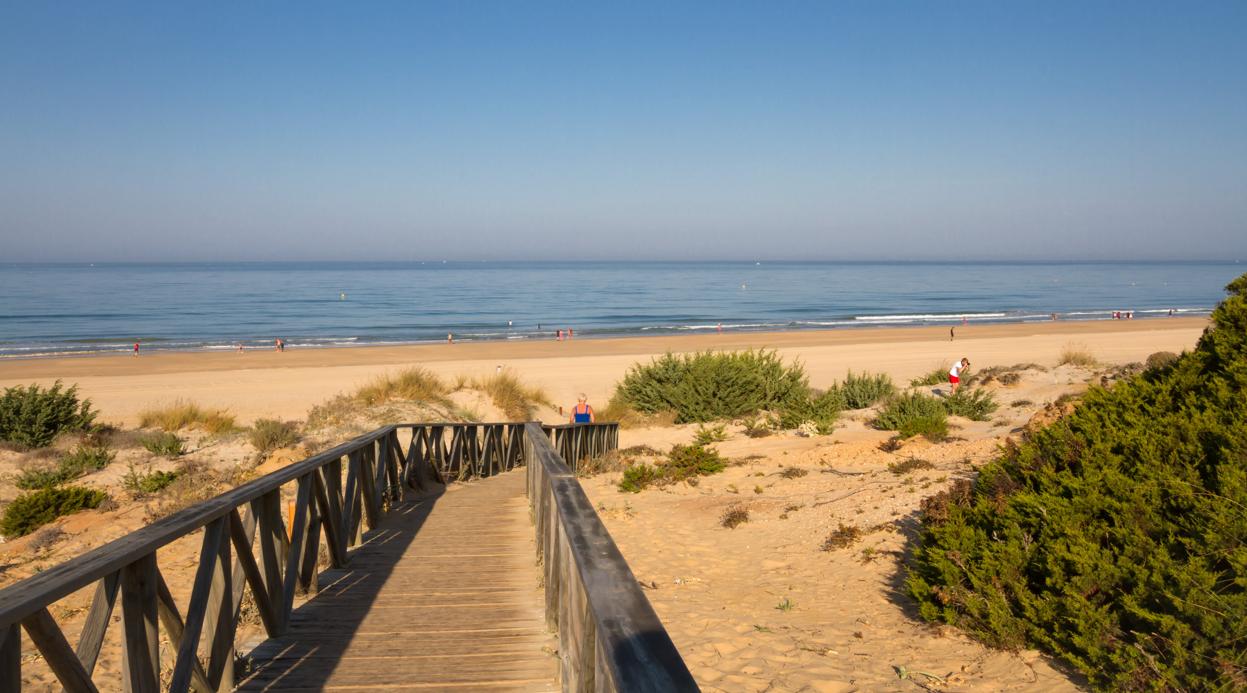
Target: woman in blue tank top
pixel 582 413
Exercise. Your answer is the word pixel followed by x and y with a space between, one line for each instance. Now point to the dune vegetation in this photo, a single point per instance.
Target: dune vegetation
pixel 1116 537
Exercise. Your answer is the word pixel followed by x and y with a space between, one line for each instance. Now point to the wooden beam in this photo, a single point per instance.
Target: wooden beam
pixel 92 636
pixel 141 658
pixel 51 642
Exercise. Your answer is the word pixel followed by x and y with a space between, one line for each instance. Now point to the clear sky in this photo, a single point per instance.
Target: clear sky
pixel 723 130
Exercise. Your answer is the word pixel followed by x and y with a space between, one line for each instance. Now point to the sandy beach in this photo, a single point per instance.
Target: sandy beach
pixel 765 606
pixel 285 385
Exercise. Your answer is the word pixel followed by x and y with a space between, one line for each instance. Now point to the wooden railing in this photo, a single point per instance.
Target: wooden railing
pixel 576 442
pixel 610 639
pixel 246 543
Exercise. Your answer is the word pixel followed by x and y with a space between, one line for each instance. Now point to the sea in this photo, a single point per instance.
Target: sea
pixel 65 309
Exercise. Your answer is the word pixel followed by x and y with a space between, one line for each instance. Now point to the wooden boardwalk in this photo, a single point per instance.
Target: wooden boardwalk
pixel 444 595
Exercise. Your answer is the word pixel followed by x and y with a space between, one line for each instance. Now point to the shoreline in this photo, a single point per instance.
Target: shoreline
pixel 172 361
pixel 285 385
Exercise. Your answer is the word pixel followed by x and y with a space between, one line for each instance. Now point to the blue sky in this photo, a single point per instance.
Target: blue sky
pixel 220 131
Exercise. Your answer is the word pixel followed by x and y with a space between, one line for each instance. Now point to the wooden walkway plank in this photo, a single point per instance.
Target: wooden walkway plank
pixel 443 595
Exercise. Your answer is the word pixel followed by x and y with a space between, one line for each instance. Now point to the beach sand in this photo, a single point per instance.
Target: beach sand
pixel 285 385
pixel 848 625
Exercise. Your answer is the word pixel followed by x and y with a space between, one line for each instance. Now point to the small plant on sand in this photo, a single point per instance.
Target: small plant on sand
pixel 145 483
pixel 33 416
pixel 785 605
pixel 909 464
pixel 734 516
pixel 1021 403
pixel 30 511
pixel 413 384
pixel 756 427
pixel 975 404
pixel 1076 355
pixel 861 390
pixel 267 435
pixel 793 473
pixel 914 414
pixel 842 537
pixel 685 461
pixel 710 434
pixel 639 477
pixel 182 414
pixel 164 444
pixel 81 461
pixel 821 410
pixel 933 377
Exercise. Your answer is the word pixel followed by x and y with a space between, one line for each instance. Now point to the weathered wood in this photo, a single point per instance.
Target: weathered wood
pixel 92 636
pixel 331 517
pixel 11 658
pixel 175 629
pixel 272 534
pixel 311 550
pixel 61 659
pixel 185 635
pixel 141 658
pixel 298 541
pixel 254 576
pixel 220 622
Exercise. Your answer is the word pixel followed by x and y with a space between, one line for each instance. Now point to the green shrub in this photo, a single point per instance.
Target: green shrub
pixel 821 410
pixel 859 391
pixel 912 414
pixel 687 461
pixel 83 460
pixel 638 477
pixel 34 416
pixel 706 435
pixel 267 435
pixel 30 511
pixel 164 444
pixel 684 462
pixel 975 404
pixel 1116 537
pixel 708 386
pixel 934 377
pixel 147 482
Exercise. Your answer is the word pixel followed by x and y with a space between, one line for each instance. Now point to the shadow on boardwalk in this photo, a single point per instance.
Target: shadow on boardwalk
pixel 444 594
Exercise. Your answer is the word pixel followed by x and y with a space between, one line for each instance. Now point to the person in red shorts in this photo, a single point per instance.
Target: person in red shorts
pixel 954 373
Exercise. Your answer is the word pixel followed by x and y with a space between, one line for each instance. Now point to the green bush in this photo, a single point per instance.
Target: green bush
pixel 684 462
pixel 822 410
pixel 34 416
pixel 934 377
pixel 30 511
pixel 975 404
pixel 638 477
pixel 83 460
pixel 1116 537
pixel 912 414
pixel 707 386
pixel 859 391
pixel 1161 359
pixel 267 435
pixel 146 483
pixel 164 444
pixel 706 435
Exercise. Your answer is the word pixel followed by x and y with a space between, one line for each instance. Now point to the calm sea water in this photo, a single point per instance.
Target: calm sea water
pixel 56 309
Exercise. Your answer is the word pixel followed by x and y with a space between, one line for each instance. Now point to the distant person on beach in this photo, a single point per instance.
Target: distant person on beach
pixel 450 338
pixel 952 333
pixel 954 373
pixel 136 348
pixel 582 413
pixel 720 328
pixel 558 335
pixel 570 333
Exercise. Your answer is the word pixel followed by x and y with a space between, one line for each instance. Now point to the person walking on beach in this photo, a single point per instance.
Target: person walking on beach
pixel 558 335
pixel 450 338
pixel 954 373
pixel 136 348
pixel 952 333
pixel 570 333
pixel 582 413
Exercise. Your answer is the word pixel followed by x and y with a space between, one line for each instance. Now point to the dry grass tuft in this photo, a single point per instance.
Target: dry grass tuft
pixel 793 473
pixel 842 537
pixel 734 516
pixel 911 464
pixel 183 414
pixel 516 400
pixel 617 411
pixel 413 384
pixel 1077 355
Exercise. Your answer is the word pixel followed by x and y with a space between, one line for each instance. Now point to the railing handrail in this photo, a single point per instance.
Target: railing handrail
pixel 28 596
pixel 624 639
